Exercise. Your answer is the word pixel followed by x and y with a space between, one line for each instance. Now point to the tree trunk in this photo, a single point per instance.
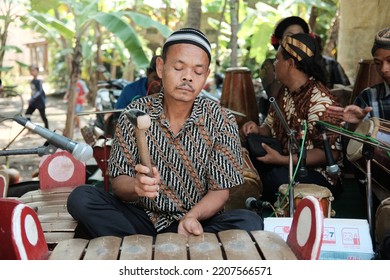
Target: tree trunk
pixel 4 35
pixel 330 48
pixel 194 13
pixel 313 19
pixel 76 59
pixel 218 33
pixel 234 29
pixel 167 10
pixel 94 74
pixel 3 39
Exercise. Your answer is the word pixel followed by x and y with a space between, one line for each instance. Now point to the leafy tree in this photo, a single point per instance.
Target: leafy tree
pixel 76 22
pixel 9 14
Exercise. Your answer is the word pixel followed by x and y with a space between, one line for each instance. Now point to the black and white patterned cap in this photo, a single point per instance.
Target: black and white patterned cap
pixel 189 36
pixel 382 40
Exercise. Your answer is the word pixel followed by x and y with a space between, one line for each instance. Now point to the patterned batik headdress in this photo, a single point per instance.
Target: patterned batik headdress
pixel 297 48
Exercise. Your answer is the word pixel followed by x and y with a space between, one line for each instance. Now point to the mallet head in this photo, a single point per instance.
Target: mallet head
pixel 138 118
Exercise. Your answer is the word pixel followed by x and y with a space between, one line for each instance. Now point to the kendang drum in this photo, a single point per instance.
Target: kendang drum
pixel 378 138
pixel 252 187
pixel 382 220
pixel 238 94
pixel 323 194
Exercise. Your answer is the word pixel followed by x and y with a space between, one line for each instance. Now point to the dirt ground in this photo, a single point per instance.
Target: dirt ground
pixel 14 138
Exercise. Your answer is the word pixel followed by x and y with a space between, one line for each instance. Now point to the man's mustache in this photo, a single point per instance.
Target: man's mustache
pixel 186 86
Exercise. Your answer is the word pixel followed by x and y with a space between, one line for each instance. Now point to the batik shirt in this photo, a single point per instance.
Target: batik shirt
pixel 308 103
pixel 204 156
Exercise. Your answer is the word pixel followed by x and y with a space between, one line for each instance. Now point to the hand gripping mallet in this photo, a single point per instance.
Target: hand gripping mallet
pixel 141 122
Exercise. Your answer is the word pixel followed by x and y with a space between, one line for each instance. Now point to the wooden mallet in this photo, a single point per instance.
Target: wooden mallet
pixel 141 122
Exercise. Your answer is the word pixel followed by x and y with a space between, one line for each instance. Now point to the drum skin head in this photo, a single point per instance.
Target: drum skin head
pixel 368 127
pixel 307 229
pixel 302 190
pixel 323 194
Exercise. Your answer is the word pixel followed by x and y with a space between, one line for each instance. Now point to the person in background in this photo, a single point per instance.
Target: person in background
pixel 303 97
pixel 287 26
pixel 81 91
pixel 373 101
pixel 335 73
pixel 38 97
pixel 195 153
pixel 142 87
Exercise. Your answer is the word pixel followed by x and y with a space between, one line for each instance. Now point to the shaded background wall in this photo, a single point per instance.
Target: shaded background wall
pixel 360 20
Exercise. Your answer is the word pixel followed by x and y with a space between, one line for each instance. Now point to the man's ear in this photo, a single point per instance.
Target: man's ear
pixel 291 62
pixel 159 66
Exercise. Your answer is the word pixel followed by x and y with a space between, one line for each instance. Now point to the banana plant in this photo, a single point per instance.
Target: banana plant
pixel 77 23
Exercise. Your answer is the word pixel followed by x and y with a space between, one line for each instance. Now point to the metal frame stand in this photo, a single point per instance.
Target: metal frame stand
pixel 292 183
pixel 293 147
pixel 40 151
pixel 368 153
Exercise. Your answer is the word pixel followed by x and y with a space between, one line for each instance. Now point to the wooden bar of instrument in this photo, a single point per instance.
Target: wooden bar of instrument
pixel 232 244
pixel 58 226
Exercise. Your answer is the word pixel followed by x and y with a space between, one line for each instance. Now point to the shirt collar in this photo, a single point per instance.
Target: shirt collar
pixel 157 109
pixel 302 88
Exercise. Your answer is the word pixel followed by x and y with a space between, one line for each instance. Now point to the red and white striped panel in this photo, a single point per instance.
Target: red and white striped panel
pixel 307 229
pixel 22 236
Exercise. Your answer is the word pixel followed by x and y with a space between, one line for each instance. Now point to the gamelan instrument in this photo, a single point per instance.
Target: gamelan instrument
pixel 377 131
pixel 238 95
pixel 374 134
pixel 323 194
pixel 252 187
pixel 369 143
pixel 27 236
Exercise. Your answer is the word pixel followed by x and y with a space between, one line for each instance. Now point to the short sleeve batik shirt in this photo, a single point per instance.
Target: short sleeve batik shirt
pixel 308 103
pixel 204 156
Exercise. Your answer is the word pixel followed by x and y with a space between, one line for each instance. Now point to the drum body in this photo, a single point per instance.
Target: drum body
pixel 252 187
pixel 238 94
pixel 367 76
pixel 379 131
pixel 323 194
pixel 382 220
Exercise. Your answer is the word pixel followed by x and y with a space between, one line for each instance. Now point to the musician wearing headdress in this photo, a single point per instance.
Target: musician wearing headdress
pixel 286 26
pixel 372 102
pixel 195 156
pixel 303 99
